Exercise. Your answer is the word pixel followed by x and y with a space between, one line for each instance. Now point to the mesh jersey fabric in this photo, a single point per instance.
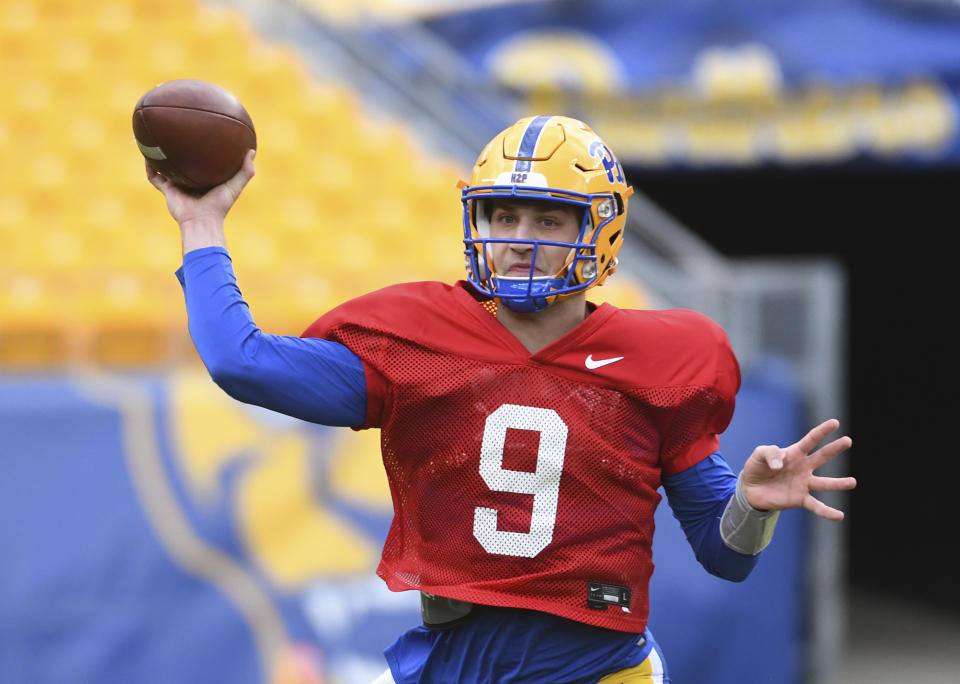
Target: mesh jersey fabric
pixel 530 480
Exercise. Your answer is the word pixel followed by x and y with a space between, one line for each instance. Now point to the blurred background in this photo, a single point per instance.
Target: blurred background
pixel 796 164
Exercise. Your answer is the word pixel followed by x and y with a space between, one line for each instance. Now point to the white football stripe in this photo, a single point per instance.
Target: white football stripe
pixel 151 152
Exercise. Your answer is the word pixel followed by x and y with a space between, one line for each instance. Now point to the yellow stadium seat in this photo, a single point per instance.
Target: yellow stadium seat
pixel 16 49
pixel 271 72
pixel 113 16
pixel 138 249
pixel 328 116
pixel 256 249
pixel 14 214
pixel 148 12
pixel 116 49
pixel 215 35
pixel 18 16
pixel 138 321
pixel 302 216
pixel 32 332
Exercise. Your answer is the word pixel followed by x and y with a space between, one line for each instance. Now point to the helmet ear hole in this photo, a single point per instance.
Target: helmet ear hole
pixel 482 209
pixel 484 271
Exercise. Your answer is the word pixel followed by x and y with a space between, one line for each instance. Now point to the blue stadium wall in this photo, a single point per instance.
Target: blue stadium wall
pixel 123 559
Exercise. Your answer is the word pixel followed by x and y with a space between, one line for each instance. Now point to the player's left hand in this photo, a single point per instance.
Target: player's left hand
pixel 776 478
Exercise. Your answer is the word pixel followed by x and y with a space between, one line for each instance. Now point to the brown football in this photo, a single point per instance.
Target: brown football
pixel 193 132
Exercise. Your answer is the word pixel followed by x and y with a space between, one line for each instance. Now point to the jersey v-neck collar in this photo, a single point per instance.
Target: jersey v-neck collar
pixel 583 330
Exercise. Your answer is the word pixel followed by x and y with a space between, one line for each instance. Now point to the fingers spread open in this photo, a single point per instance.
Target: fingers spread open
pixel 831 484
pixel 810 440
pixel 814 505
pixel 829 451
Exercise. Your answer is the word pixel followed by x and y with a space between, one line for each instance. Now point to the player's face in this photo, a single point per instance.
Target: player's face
pixel 532 221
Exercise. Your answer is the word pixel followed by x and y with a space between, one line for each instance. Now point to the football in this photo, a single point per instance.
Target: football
pixel 193 132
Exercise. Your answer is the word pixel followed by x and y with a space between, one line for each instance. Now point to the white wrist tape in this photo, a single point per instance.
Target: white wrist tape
pixel 745 529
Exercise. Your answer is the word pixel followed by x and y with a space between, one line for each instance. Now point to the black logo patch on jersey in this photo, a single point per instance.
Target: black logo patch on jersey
pixel 600 595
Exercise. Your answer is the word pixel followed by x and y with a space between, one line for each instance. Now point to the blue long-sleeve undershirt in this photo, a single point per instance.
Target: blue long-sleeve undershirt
pixel 312 379
pixel 324 382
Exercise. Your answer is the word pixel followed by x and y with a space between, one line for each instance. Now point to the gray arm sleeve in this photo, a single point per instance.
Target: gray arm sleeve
pixel 744 528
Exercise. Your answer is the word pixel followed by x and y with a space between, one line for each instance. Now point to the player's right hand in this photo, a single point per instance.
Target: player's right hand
pixel 212 206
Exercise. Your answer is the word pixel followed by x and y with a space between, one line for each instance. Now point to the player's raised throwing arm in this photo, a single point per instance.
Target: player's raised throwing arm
pixel 311 379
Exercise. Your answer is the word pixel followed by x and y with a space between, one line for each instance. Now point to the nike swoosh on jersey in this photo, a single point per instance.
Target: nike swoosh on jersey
pixel 599 363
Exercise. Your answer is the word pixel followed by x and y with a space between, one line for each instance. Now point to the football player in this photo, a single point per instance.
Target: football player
pixel 525 431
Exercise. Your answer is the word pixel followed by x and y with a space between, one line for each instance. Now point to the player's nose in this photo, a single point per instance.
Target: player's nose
pixel 525 229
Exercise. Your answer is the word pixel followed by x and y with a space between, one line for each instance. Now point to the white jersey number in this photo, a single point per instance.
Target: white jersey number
pixel 543 483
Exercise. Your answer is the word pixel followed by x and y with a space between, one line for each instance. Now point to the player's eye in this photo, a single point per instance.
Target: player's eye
pixel 551 222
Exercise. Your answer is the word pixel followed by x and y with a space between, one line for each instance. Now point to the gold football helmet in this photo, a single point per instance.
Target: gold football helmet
pixel 556 159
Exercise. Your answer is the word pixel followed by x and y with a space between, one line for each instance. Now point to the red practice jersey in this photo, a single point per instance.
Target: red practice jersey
pixel 530 480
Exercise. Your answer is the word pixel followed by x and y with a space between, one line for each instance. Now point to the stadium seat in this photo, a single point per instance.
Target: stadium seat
pixel 138 322
pixel 31 333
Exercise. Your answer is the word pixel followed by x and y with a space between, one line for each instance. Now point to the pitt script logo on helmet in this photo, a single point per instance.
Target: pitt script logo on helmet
pixel 546 158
